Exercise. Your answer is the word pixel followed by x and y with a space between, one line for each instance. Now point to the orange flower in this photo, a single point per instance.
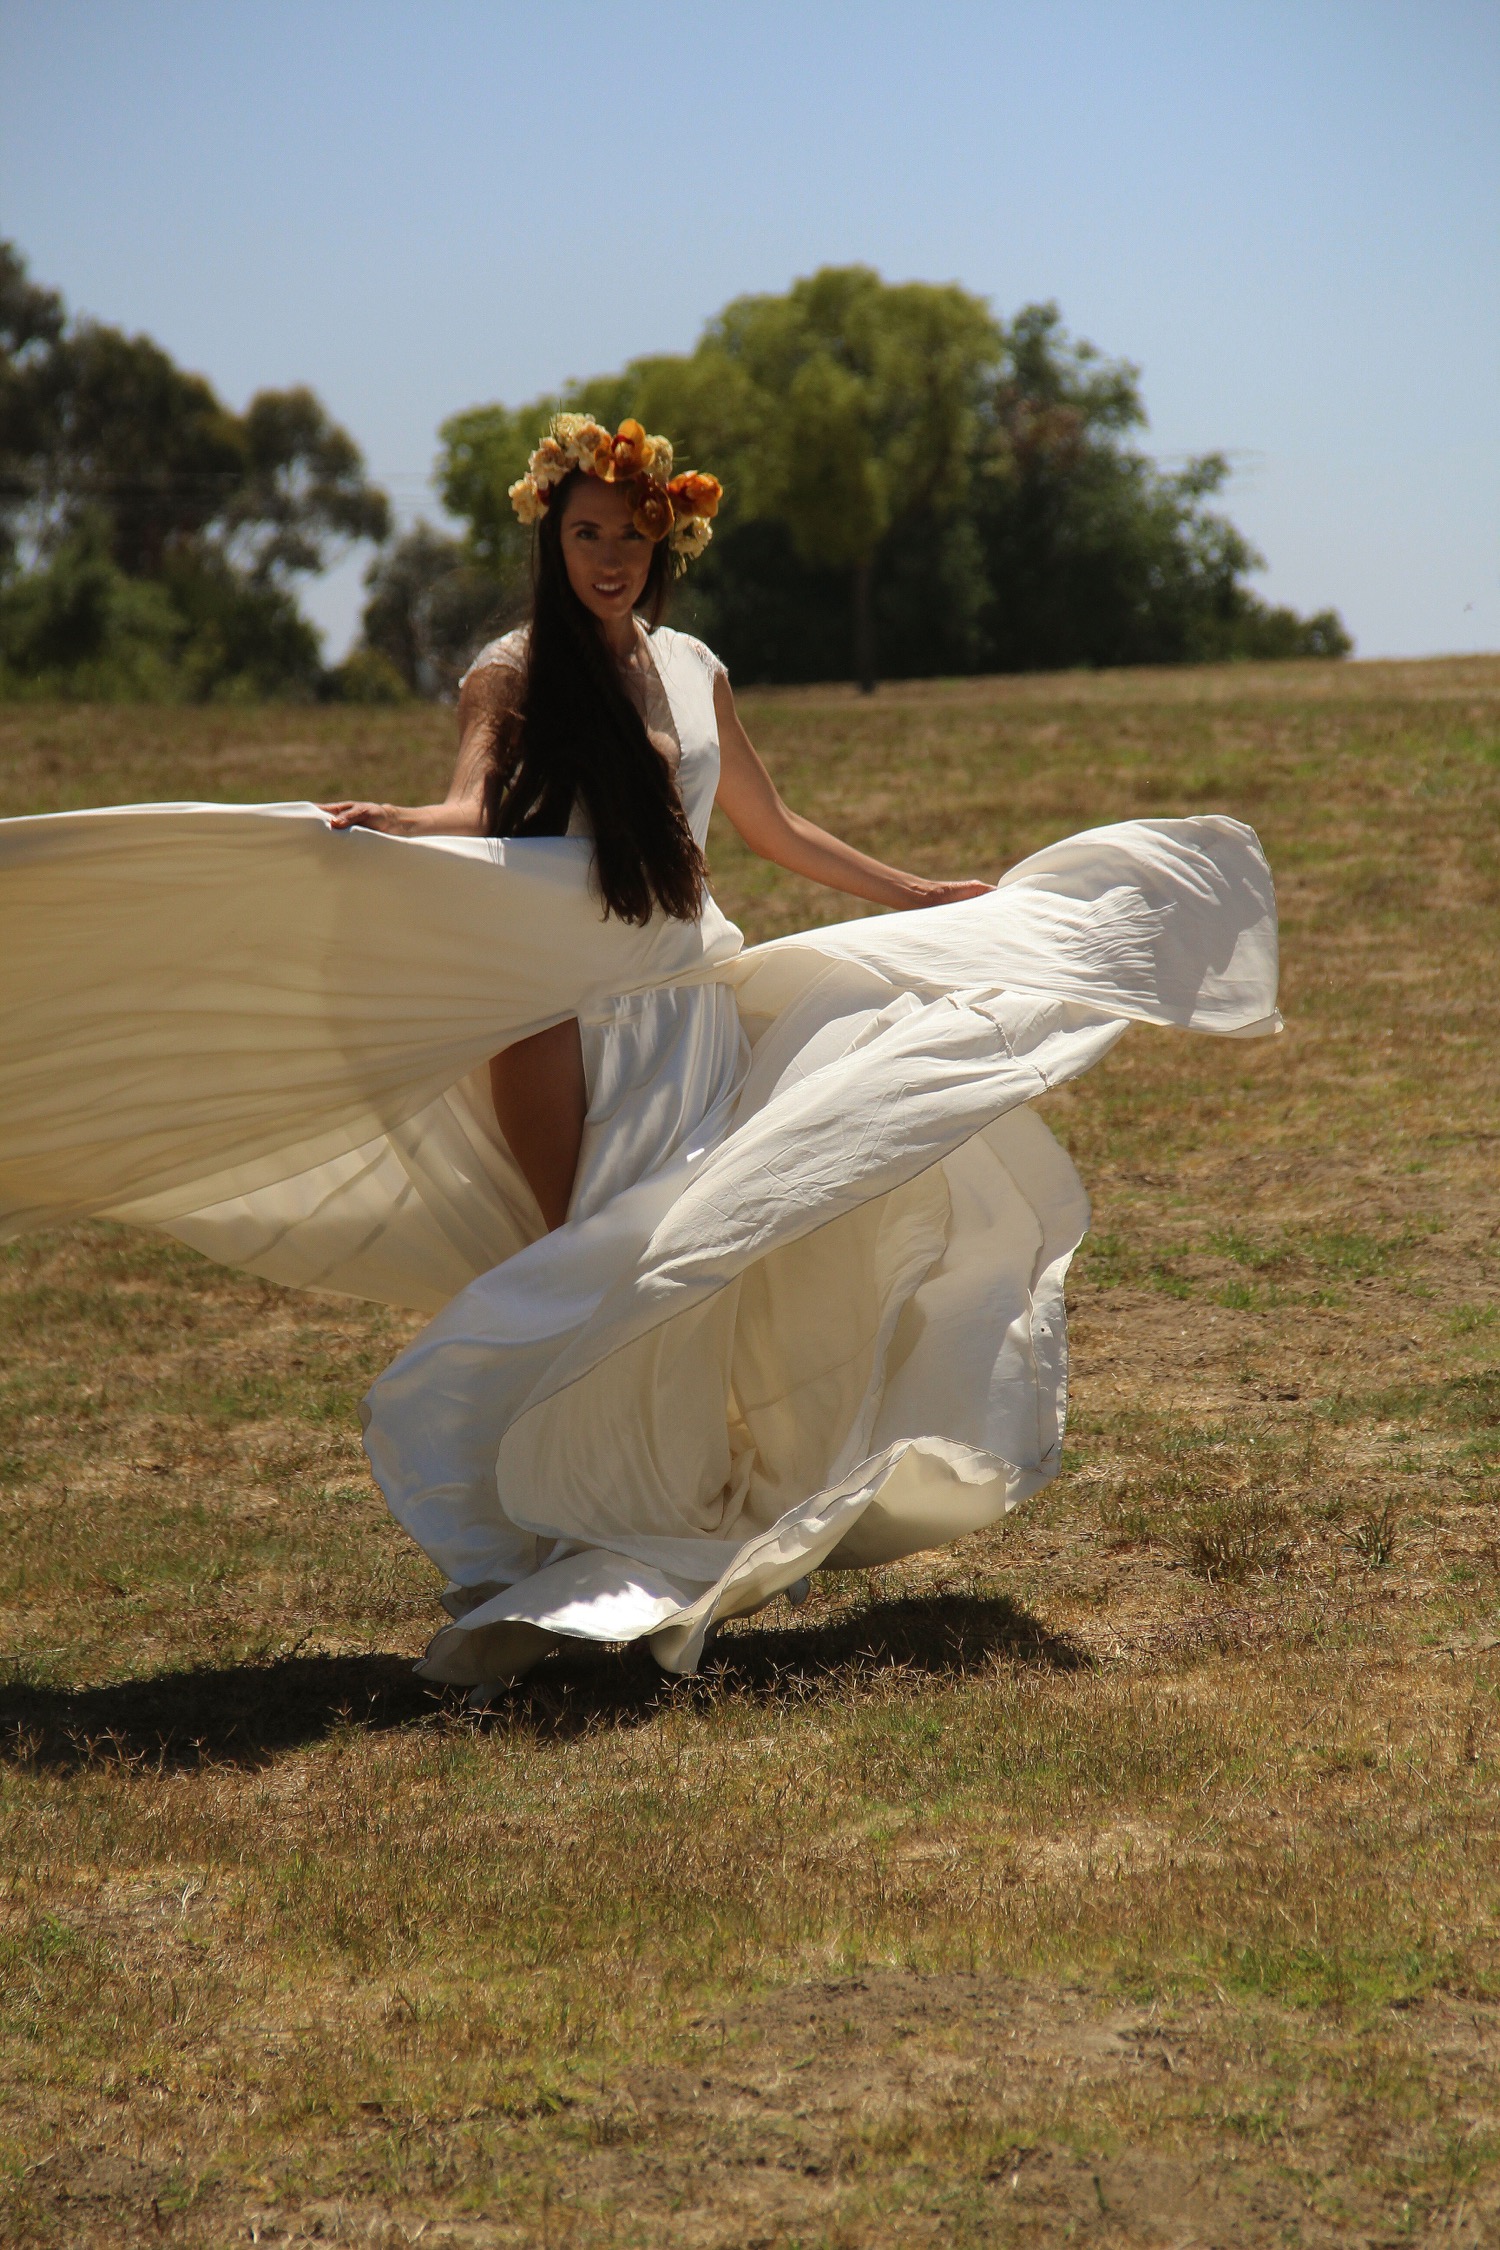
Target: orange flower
pixel 696 495
pixel 630 450
pixel 651 509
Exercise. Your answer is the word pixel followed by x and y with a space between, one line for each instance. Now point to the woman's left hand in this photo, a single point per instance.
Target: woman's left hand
pixel 933 893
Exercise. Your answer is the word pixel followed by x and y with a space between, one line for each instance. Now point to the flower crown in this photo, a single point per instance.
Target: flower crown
pixel 662 506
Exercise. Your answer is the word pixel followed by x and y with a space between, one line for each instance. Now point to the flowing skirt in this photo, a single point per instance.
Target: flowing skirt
pixel 807 1310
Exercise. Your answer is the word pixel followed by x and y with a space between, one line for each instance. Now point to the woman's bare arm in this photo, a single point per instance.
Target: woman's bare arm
pixel 483 702
pixel 750 802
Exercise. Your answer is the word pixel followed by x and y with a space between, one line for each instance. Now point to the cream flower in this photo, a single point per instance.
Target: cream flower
pixel 659 458
pixel 565 427
pixel 549 464
pixel 690 537
pixel 585 439
pixel 527 500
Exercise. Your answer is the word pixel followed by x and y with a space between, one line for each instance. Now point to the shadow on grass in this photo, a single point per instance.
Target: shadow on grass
pixel 247 1714
pixel 234 1714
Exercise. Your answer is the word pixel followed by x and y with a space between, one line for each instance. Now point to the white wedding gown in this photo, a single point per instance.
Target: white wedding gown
pixel 807 1310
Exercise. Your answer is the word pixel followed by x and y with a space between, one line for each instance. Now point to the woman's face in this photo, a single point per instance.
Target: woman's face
pixel 606 558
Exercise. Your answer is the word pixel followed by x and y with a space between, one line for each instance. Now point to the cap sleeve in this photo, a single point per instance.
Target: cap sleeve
pixel 713 665
pixel 509 650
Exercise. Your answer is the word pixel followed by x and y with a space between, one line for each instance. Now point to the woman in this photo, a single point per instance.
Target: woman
pixel 744 1262
pixel 566 726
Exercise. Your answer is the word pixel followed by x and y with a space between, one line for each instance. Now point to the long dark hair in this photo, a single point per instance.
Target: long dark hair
pixel 575 737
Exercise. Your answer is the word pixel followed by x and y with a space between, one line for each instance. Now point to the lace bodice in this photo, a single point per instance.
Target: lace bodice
pixel 678 676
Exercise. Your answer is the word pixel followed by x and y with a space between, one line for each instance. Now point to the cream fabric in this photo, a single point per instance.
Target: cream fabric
pixel 807 1310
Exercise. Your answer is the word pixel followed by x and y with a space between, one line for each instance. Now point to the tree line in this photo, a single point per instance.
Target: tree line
pixel 151 540
pixel 914 487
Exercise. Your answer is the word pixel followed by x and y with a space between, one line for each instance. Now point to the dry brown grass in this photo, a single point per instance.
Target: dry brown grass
pixel 1128 1876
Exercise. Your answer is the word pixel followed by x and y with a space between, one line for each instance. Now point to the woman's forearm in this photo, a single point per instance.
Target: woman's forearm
pixel 751 804
pixel 455 816
pixel 805 849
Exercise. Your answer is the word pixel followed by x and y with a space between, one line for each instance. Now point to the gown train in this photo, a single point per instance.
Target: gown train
pixel 807 1310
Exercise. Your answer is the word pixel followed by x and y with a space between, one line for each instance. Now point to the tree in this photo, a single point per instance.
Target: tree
pixel 78 623
pixel 836 413
pixel 866 398
pixel 112 429
pixel 428 608
pixel 119 469
pixel 484 451
pixel 1091 554
pixel 31 321
pixel 302 491
pixel 966 492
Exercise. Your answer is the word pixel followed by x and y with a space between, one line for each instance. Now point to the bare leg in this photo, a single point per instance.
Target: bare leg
pixel 540 1098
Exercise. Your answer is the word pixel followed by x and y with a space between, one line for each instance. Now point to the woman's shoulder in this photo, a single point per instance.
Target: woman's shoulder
pixel 692 652
pixel 509 650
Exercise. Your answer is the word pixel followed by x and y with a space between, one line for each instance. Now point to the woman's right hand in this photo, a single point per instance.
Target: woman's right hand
pixel 391 820
pixel 455 816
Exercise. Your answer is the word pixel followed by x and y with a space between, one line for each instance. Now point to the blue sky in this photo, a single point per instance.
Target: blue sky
pixel 1288 215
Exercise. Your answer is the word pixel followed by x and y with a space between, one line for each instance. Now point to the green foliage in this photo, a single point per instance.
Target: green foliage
pixel 484 451
pixel 365 676
pixel 243 639
pixel 911 480
pixel 303 488
pixel 80 626
pixel 111 428
pixel 913 487
pixel 863 398
pixel 430 603
pixel 149 536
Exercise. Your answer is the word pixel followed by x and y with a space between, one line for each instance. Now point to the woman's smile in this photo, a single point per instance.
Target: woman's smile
pixel 607 560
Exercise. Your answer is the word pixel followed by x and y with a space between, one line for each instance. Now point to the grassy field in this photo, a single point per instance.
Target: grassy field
pixel 1125 1876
